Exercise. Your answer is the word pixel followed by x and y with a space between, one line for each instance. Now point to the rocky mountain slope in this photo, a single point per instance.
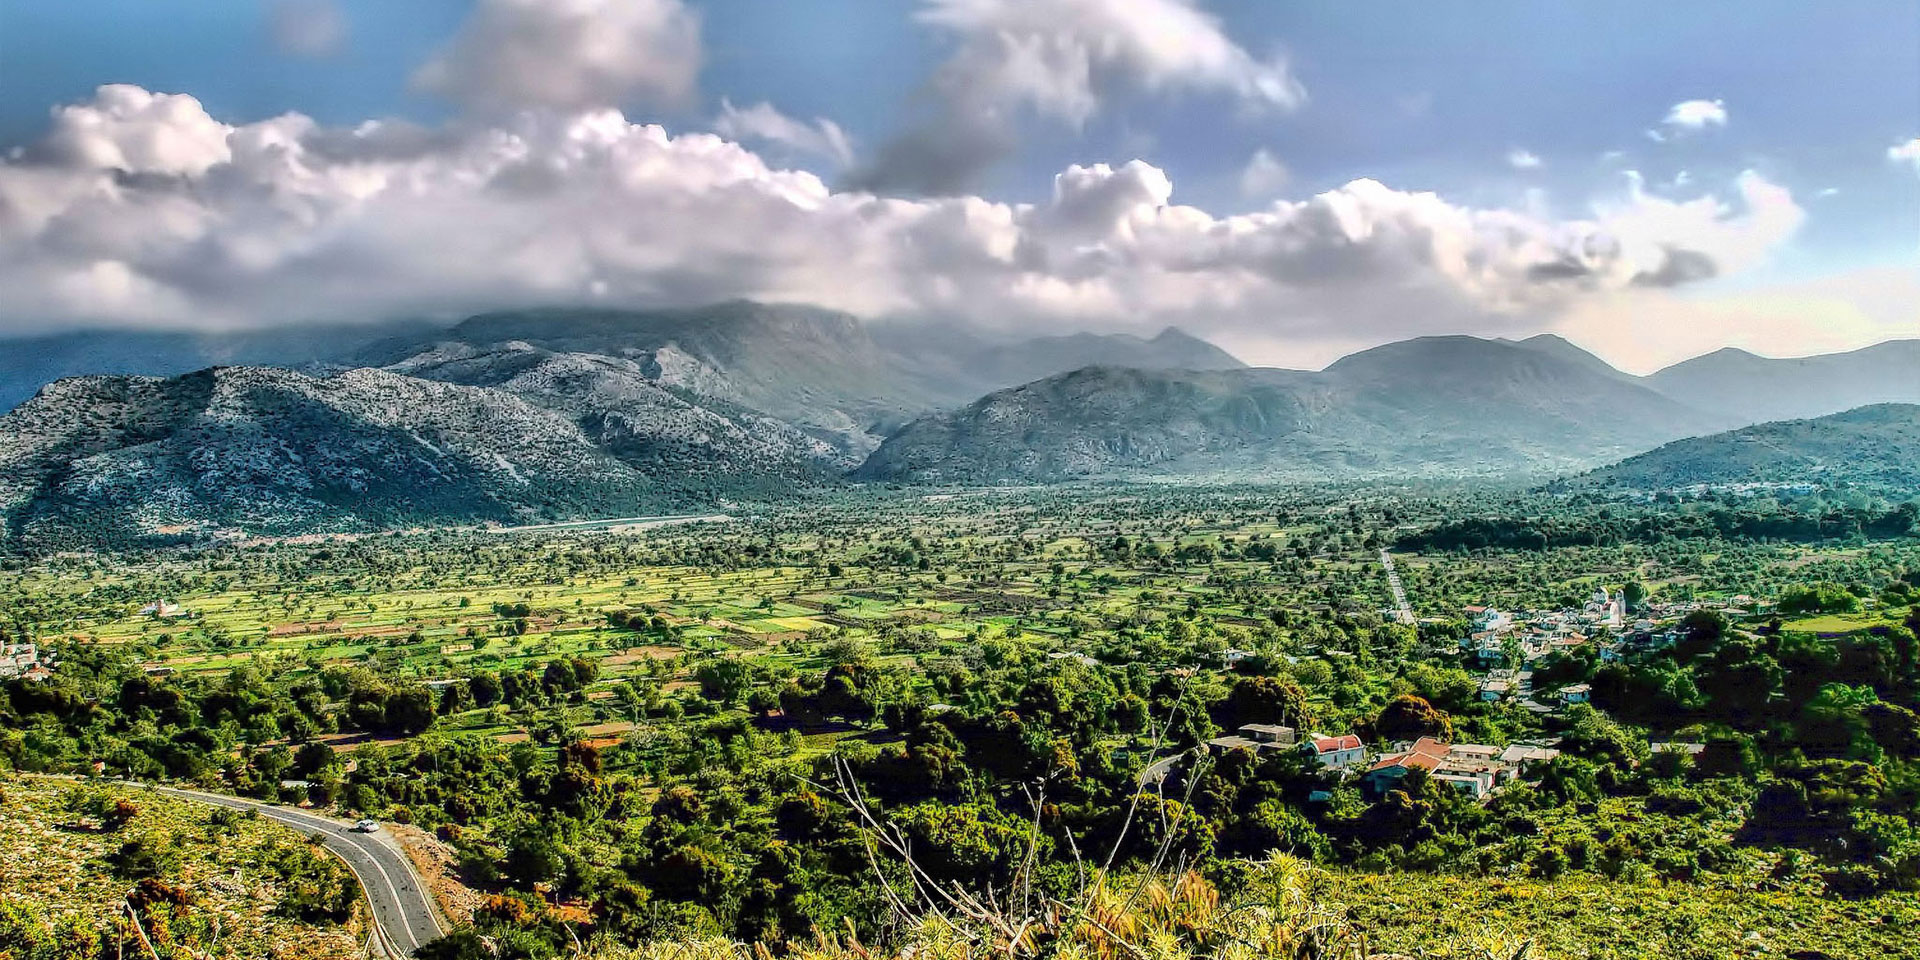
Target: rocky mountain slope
pixel 816 369
pixel 633 411
pixel 263 450
pixel 1005 365
pixel 1875 446
pixel 1440 405
pixel 505 417
pixel 571 413
pixel 824 373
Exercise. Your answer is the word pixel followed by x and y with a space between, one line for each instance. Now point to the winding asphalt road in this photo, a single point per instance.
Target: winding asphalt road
pixel 402 908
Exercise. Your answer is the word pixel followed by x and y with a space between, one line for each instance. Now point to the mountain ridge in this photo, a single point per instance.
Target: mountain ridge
pixel 1742 387
pixel 1449 405
pixel 528 415
pixel 116 459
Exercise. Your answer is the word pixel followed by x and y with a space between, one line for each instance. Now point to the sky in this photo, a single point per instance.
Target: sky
pixel 1291 180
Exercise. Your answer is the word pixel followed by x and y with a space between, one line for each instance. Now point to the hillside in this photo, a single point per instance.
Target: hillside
pixel 817 369
pixel 1876 446
pixel 1443 405
pixel 644 413
pixel 207 882
pixel 1505 404
pixel 265 450
pixel 1098 420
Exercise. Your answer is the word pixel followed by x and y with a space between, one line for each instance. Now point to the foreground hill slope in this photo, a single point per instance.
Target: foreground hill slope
pixel 1442 405
pixel 272 451
pixel 1875 446
pixel 206 882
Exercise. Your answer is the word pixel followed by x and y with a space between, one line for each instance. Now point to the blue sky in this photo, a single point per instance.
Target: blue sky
pixel 1420 96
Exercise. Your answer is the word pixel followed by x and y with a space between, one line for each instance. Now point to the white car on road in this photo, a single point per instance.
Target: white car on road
pixel 365 826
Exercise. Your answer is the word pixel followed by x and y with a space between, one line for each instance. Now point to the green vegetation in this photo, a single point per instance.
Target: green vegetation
pixel 839 713
pixel 111 871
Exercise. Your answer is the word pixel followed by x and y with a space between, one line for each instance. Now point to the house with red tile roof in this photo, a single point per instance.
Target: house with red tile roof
pixel 1335 753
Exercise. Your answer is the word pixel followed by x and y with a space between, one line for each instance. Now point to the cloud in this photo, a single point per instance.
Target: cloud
pixel 1060 60
pixel 1641 330
pixel 1696 115
pixel 128 129
pixel 140 209
pixel 1908 152
pixel 761 122
pixel 1523 160
pixel 1676 242
pixel 307 28
pixel 1264 175
pixel 568 55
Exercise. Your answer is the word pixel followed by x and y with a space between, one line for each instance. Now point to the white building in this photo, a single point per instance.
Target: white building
pixel 17 658
pixel 1336 753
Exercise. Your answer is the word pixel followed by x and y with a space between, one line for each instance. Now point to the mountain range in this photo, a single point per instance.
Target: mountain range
pixel 1433 405
pixel 545 414
pixel 110 459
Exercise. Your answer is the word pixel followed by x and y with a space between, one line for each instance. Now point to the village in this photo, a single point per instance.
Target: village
pixel 25 661
pixel 1478 770
pixel 1500 648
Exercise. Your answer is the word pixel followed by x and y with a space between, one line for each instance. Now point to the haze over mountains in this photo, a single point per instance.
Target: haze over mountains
pixel 532 415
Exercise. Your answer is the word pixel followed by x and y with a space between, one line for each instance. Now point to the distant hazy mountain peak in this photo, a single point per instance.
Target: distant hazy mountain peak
pixel 1740 387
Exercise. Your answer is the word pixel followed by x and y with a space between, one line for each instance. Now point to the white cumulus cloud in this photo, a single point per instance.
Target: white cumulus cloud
pixel 1697 114
pixel 1523 160
pixel 139 208
pixel 127 128
pixel 1061 60
pixel 568 55
pixel 1908 152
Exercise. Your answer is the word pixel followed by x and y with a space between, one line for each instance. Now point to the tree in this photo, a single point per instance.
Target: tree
pixel 531 857
pixel 485 688
pixel 1409 717
pixel 409 711
pixel 1824 597
pixel 724 680
pixel 1268 700
pixel 1633 593
pixel 1700 632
